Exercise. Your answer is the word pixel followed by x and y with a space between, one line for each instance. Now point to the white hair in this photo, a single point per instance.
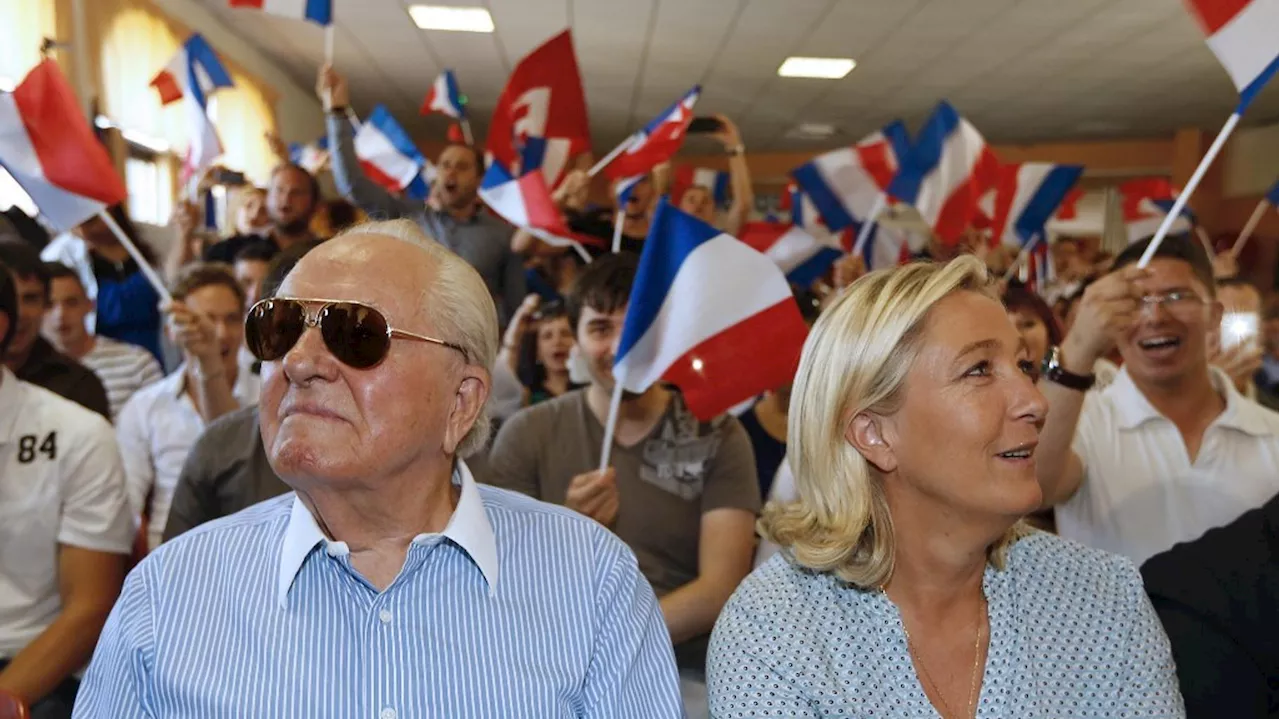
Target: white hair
pixel 460 305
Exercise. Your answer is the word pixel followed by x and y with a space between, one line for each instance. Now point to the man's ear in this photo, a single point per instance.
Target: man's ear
pixel 468 401
pixel 866 434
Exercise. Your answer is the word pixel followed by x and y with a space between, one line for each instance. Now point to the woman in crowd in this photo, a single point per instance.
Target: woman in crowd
pixel 537 347
pixel 127 306
pixel 908 583
pixel 1034 321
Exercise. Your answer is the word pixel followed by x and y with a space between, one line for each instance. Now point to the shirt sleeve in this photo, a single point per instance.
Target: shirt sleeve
pixel 731 478
pixel 117 683
pixel 633 669
pixel 351 180
pixel 1150 687
pixel 95 512
pixel 744 679
pixel 135 452
pixel 513 461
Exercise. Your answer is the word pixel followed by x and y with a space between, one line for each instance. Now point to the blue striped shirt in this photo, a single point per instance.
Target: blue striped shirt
pixel 258 614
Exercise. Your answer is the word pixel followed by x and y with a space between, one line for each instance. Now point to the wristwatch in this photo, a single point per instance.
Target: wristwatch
pixel 1052 370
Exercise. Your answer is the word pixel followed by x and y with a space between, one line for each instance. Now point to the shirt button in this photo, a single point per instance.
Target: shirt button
pixel 385 617
pixel 387 713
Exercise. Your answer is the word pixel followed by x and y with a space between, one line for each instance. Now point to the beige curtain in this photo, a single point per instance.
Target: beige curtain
pixel 243 115
pixel 23 26
pixel 136 44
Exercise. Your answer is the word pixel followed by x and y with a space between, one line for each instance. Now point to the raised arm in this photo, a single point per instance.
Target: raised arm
pixel 1108 309
pixel 739 176
pixel 347 175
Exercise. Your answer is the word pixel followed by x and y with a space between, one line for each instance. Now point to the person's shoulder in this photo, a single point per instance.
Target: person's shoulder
pixel 534 523
pixel 782 597
pixel 147 397
pixel 546 416
pixel 46 410
pixel 253 530
pixel 1223 560
pixel 1070 576
pixel 237 424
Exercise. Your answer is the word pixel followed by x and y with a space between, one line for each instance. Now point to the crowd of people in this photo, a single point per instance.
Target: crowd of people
pixel 370 480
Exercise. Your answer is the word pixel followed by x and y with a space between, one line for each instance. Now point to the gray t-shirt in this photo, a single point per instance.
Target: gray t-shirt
pixel 666 482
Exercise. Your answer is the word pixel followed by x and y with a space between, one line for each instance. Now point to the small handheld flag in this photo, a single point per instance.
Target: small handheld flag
pixel 319 12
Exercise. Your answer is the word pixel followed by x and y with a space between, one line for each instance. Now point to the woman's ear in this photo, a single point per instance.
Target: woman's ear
pixel 866 434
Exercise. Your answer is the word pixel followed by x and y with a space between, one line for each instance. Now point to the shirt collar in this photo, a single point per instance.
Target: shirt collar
pixel 469 528
pixel 1133 408
pixel 10 396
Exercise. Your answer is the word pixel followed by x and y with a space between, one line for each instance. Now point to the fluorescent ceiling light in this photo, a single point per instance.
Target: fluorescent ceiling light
pixel 827 68
pixel 458 19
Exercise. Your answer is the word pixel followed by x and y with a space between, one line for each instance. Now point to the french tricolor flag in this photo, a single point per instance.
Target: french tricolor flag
pixel 387 155
pixel 846 184
pixel 1242 33
pixel 890 247
pixel 653 144
pixel 1145 202
pixel 949 169
pixel 310 156
pixel 802 257
pixel 526 203
pixel 709 314
pixel 48 147
pixel 444 97
pixel 319 12
pixel 1025 197
pixel 194 74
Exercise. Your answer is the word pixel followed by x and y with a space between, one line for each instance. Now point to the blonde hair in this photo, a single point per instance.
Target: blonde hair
pixel 460 305
pixel 856 360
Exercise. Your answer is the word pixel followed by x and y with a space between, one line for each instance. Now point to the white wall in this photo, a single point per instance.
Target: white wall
pixel 299 117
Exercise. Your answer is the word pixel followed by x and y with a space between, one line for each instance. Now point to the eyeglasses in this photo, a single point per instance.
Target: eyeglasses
pixel 356 334
pixel 1177 301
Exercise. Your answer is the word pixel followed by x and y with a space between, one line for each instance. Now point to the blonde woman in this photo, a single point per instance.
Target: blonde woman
pixel 907 584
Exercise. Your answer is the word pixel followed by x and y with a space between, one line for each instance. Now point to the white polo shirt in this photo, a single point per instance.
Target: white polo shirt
pixel 1141 494
pixel 156 430
pixel 61 482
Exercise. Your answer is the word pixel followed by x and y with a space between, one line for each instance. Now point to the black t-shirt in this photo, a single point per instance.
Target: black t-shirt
pixel 1217 598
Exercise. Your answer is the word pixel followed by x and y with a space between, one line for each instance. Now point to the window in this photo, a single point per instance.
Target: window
pixel 23 26
pixel 150 186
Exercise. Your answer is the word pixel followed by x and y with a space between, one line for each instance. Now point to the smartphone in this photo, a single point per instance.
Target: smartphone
pixel 705 125
pixel 1239 328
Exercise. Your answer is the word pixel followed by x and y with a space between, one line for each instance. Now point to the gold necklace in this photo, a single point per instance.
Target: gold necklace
pixel 977 656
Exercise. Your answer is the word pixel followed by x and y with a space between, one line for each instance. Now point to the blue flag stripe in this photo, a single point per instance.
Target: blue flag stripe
pixel 673 235
pixel 925 154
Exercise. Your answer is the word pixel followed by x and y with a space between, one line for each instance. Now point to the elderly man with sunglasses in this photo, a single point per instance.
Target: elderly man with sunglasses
pixel 1170 449
pixel 388 584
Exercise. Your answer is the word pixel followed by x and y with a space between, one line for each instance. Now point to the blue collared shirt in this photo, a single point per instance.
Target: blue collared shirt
pixel 517 609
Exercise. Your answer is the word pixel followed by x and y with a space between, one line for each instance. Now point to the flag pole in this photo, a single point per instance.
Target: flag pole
pixel 328 43
pixel 466 131
pixel 1205 242
pixel 1021 258
pixel 1249 227
pixel 617 231
pixel 604 162
pixel 136 254
pixel 865 232
pixel 611 424
pixel 1181 201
